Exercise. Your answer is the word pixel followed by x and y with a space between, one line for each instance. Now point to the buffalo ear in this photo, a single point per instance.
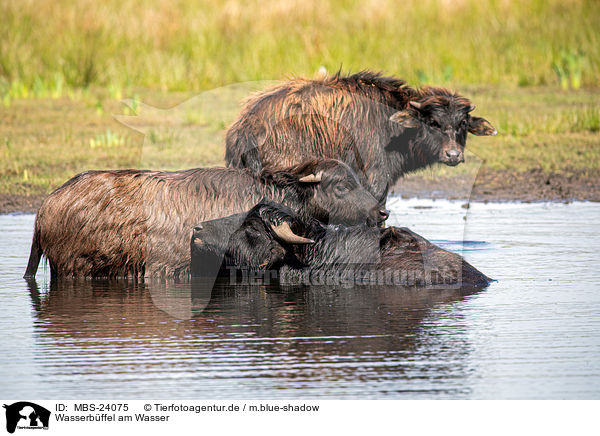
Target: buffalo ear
pixel 481 127
pixel 405 119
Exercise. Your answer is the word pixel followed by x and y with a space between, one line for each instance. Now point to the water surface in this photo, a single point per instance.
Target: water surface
pixel 535 333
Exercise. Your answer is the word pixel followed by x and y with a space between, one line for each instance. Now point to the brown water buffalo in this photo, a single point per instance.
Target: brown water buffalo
pixel 139 223
pixel 270 237
pixel 378 125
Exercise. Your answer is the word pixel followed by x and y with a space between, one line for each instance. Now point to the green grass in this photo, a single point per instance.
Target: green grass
pixel 62 47
pixel 44 142
pixel 531 67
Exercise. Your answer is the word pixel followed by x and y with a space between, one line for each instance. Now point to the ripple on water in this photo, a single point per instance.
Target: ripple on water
pixel 533 334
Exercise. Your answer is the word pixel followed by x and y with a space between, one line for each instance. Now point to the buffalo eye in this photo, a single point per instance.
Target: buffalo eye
pixel 341 189
pixel 435 124
pixel 253 232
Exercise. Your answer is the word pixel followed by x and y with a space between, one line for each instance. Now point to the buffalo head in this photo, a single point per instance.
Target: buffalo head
pixel 333 194
pixel 256 240
pixel 441 120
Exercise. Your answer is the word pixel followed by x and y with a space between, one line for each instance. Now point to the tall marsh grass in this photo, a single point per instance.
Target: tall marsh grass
pixel 50 46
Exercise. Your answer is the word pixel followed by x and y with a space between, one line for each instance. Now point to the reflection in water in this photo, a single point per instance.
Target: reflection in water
pixel 262 337
pixel 535 333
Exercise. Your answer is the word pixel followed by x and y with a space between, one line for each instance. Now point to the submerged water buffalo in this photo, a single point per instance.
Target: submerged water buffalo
pixel 259 235
pixel 271 237
pixel 378 125
pixel 139 223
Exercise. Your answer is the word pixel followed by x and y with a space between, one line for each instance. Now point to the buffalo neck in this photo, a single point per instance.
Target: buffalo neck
pixel 281 189
pixel 406 152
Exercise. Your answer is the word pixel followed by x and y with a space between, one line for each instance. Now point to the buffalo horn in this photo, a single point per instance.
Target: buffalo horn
pixel 311 178
pixel 284 232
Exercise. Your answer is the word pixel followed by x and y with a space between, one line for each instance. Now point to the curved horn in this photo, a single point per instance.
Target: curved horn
pixel 284 232
pixel 415 104
pixel 311 178
pixel 472 108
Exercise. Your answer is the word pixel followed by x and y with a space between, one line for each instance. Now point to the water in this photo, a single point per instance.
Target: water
pixel 535 333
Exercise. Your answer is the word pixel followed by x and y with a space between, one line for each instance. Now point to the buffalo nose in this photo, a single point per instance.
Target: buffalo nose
pixel 452 154
pixel 384 214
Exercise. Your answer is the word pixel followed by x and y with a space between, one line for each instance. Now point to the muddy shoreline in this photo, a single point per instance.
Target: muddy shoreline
pixel 501 185
pixel 488 185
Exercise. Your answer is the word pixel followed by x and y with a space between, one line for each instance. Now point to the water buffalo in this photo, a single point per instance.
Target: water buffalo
pixel 272 237
pixel 139 223
pixel 257 244
pixel 378 125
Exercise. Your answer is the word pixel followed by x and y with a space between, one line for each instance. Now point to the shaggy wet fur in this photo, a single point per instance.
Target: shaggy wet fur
pixel 387 256
pixel 348 118
pixel 243 240
pixel 357 254
pixel 139 223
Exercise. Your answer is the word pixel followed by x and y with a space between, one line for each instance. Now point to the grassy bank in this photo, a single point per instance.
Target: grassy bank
pixel 44 142
pixel 66 65
pixel 60 47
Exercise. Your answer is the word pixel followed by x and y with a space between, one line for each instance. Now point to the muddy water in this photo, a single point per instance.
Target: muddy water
pixel 535 333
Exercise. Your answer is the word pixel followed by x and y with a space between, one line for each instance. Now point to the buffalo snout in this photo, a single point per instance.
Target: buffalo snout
pixel 382 214
pixel 378 216
pixel 452 156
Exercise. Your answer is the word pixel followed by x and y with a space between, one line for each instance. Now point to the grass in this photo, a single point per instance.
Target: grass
pixel 531 67
pixel 44 142
pixel 60 48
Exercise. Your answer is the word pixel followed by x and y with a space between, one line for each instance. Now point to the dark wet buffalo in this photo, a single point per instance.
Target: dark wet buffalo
pixel 139 223
pixel 258 242
pixel 378 125
pixel 316 254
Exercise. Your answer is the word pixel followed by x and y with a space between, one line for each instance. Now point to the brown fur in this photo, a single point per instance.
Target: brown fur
pixel 134 222
pixel 366 254
pixel 340 117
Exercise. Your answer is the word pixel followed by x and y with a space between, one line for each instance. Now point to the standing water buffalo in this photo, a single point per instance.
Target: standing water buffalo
pixel 134 222
pixel 378 125
pixel 267 238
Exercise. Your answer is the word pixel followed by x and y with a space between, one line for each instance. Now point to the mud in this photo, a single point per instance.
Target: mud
pixel 502 185
pixel 489 185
